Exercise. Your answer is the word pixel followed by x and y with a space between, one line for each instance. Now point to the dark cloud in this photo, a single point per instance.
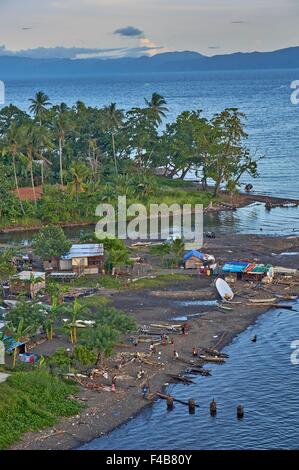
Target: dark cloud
pixel 214 47
pixel 240 22
pixel 129 32
pixel 26 29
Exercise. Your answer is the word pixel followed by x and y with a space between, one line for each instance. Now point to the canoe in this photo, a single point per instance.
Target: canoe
pixel 224 290
pixel 263 301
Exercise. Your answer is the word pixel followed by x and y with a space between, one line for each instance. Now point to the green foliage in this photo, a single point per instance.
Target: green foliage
pixel 51 242
pixel 85 355
pixel 30 313
pixel 31 401
pixel 102 339
pixel 7 267
pixel 60 361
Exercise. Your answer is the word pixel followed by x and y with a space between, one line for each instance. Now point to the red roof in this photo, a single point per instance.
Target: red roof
pixel 26 194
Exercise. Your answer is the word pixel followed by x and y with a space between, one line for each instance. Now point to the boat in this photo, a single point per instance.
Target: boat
pixel 263 301
pixel 224 290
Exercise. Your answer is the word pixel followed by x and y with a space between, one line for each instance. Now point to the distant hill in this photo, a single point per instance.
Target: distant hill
pixel 23 67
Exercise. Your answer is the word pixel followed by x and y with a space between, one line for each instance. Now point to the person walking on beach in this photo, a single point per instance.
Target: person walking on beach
pixel 113 384
pixel 175 355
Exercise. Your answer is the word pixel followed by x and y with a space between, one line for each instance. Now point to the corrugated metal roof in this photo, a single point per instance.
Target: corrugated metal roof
pixel 85 251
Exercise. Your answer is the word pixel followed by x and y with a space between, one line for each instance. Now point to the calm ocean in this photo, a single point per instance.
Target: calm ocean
pixel 263 95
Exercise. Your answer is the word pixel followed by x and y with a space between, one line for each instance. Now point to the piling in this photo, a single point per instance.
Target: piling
pixel 169 402
pixel 192 405
pixel 213 408
pixel 240 411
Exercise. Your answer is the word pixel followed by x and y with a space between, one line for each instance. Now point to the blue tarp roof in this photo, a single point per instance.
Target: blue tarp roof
pixel 11 344
pixel 195 253
pixel 234 267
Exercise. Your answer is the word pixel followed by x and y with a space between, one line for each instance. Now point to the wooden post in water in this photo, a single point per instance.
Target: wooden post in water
pixel 191 404
pixel 240 411
pixel 213 408
pixel 169 402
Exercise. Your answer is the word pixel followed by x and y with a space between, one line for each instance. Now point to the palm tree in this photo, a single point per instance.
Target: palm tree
pixel 114 119
pixel 13 146
pixel 80 173
pixel 42 142
pixel 39 106
pixel 157 107
pixel 29 145
pixel 18 333
pixel 61 126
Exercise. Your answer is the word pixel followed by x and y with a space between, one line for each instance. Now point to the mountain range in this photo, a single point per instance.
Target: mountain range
pixel 12 67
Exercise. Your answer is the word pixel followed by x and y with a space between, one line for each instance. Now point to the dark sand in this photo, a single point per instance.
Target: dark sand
pixel 216 328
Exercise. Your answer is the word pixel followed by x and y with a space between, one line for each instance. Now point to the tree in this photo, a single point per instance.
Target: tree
pixel 18 333
pixel 177 248
pixel 230 159
pixel 7 268
pixel 51 242
pixel 157 106
pixel 13 147
pixel 61 125
pixel 114 118
pixel 102 339
pixel 80 173
pixel 31 313
pixel 39 106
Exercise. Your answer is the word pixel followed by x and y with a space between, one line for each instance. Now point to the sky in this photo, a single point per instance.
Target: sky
pixel 115 28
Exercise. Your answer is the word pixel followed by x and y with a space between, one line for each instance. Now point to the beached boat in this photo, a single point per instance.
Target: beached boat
pixel 263 301
pixel 224 290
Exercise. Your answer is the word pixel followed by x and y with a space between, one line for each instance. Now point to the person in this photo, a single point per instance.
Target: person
pixel 140 373
pixel 135 342
pixel 144 391
pixel 194 352
pixel 152 348
pixel 113 383
pixel 175 355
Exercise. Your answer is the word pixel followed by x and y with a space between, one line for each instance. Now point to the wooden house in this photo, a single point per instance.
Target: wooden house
pixel 28 283
pixel 83 259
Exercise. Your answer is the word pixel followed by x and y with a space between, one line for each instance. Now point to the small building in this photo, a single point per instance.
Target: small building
pixel 248 271
pixel 194 259
pixel 28 283
pixel 83 259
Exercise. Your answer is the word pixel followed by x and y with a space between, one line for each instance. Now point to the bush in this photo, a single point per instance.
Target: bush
pixel 31 401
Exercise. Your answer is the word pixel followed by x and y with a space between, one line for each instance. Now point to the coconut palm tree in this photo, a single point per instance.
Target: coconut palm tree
pixel 80 173
pixel 157 107
pixel 13 147
pixel 114 118
pixel 18 333
pixel 39 106
pixel 29 149
pixel 43 142
pixel 61 126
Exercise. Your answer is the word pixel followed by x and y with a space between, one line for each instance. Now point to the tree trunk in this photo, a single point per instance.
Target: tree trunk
pixel 114 153
pixel 32 182
pixel 17 184
pixel 216 188
pixel 60 160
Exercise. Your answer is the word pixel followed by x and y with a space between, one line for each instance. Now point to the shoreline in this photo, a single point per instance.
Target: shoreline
pixel 215 328
pixel 240 200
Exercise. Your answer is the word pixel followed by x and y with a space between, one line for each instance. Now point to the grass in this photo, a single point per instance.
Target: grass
pixel 94 301
pixel 159 281
pixel 95 281
pixel 31 401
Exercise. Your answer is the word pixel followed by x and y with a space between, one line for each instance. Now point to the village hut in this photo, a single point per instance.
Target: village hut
pixel 83 259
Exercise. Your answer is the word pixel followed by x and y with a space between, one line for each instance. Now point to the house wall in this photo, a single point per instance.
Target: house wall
pixel 193 263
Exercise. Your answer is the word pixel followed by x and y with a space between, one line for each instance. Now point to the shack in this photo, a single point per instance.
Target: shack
pixel 248 271
pixel 195 259
pixel 28 283
pixel 83 259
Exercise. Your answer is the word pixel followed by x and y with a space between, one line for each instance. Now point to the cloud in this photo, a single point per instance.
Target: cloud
pixel 239 22
pixel 57 52
pixel 214 47
pixel 129 32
